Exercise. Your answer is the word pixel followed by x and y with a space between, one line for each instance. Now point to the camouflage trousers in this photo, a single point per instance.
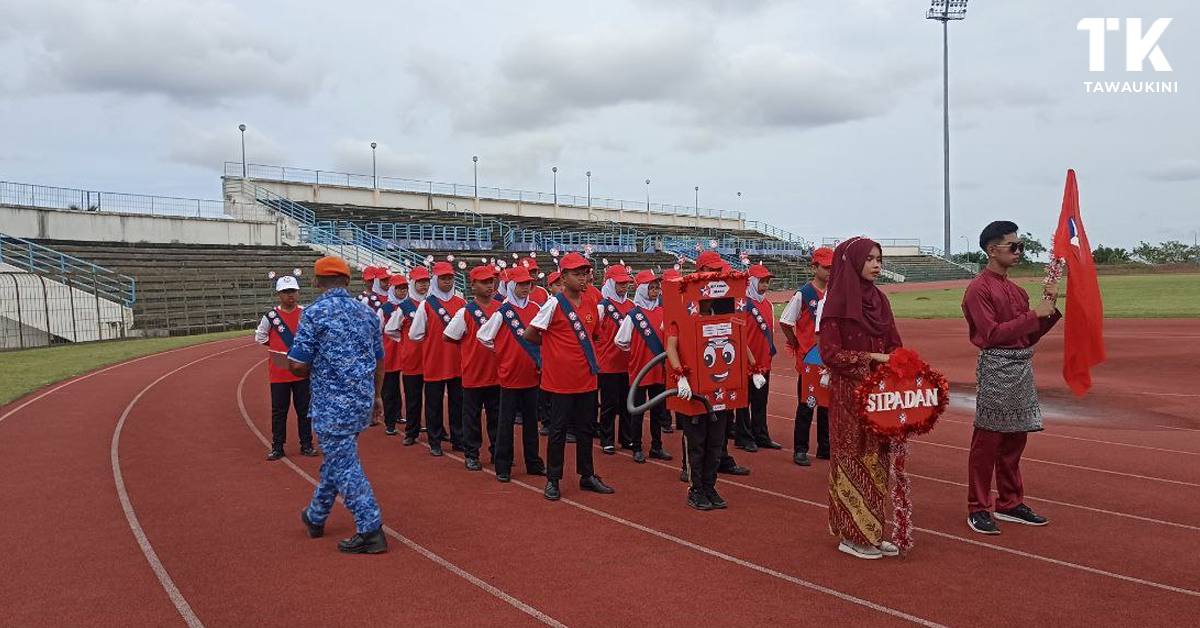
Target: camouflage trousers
pixel 342 473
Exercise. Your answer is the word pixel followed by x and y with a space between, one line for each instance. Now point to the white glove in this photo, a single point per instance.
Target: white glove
pixel 685 389
pixel 759 380
pixel 825 378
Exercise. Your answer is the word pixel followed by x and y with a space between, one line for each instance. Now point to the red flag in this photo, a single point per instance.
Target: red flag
pixel 1083 345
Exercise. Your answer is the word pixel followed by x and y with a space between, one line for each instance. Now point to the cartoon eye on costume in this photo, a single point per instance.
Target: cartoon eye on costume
pixel 710 356
pixel 728 353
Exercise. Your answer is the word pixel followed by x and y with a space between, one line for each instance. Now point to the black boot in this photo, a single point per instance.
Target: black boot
pixel 373 542
pixel 314 531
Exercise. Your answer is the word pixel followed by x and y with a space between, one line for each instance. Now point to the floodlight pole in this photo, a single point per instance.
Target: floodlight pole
pixel 944 11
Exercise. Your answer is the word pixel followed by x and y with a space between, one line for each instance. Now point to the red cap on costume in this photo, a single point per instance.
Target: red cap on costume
pixel 553 277
pixel 760 271
pixel 520 274
pixel 528 262
pixel 710 259
pixel 419 273
pixel 646 276
pixel 397 280
pixel 823 256
pixel 618 274
pixel 443 268
pixel 671 273
pixel 479 273
pixel 571 261
pixel 327 266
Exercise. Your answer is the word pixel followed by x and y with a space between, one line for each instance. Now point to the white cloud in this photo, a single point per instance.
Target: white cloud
pixel 1174 171
pixel 191 51
pixel 209 148
pixel 354 156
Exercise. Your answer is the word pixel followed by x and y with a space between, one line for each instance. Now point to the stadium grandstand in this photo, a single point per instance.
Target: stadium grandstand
pixel 79 265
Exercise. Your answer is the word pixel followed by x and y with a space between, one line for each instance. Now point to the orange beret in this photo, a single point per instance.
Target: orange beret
pixel 327 266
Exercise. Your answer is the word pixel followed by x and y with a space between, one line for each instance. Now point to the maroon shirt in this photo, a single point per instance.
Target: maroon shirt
pixel 999 316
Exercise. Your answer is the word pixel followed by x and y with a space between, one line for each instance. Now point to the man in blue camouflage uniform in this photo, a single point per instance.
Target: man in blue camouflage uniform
pixel 340 346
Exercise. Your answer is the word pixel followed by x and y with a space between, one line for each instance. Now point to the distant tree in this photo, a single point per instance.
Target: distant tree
pixel 1169 252
pixel 1033 247
pixel 971 257
pixel 1106 255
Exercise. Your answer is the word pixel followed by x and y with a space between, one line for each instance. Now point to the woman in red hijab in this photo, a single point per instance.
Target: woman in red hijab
pixel 857 332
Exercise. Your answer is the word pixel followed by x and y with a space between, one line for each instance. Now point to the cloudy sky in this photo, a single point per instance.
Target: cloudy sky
pixel 826 116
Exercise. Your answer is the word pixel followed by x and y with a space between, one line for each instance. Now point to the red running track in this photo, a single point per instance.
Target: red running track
pixel 138 495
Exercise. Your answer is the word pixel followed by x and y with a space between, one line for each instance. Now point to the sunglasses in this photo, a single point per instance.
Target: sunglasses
pixel 1014 247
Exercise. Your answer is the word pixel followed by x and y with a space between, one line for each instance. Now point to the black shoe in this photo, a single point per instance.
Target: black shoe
pixel 982 522
pixel 639 457
pixel 683 477
pixel 735 470
pixel 823 456
pixel 390 430
pixel 749 447
pixel 473 464
pixel 308 452
pixel 551 492
pixel 594 485
pixel 1022 514
pixel 659 454
pixel 608 450
pixel 374 542
pixel 541 472
pixel 628 446
pixel 519 420
pixel 570 437
pixel 436 452
pixel 698 500
pixel 543 431
pixel 801 459
pixel 314 531
pixel 409 441
pixel 275 454
pixel 769 445
pixel 715 499
pixel 458 448
pixel 503 477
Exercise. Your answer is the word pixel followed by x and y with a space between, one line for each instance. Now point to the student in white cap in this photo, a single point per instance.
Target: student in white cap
pixel 277 330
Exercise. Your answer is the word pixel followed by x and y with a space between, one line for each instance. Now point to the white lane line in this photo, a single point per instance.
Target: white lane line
pixel 1050 462
pixel 80 378
pixel 1093 440
pixel 455 569
pixel 732 559
pixel 998 548
pixel 164 578
pixel 1166 394
pixel 1182 429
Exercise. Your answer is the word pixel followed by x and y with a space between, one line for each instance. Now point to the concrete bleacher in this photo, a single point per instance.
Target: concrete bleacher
pixel 195 288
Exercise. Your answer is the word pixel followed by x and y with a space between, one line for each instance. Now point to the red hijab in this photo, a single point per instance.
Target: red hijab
pixel 853 298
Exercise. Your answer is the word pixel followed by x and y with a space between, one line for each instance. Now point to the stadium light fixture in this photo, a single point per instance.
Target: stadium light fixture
pixel 647 197
pixel 374 176
pixel 945 11
pixel 475 166
pixel 697 206
pixel 555 171
pixel 589 180
pixel 242 128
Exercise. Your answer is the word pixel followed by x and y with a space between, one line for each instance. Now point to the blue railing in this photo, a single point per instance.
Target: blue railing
pixel 69 270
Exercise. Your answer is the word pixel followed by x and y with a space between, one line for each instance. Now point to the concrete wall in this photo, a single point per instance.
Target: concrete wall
pixel 56 224
pixel 365 197
pixel 36 311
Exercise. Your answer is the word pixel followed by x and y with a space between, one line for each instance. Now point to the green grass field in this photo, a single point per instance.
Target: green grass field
pixel 1125 296
pixel 22 372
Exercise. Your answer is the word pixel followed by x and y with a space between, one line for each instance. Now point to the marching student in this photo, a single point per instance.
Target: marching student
pixel 277 330
pixel 565 328
pixel 411 357
pixel 798 322
pixel 554 285
pixel 339 344
pixel 519 364
pixel 538 294
pixel 373 293
pixel 614 364
pixel 752 431
pixel 393 405
pixel 501 292
pixel 480 379
pixel 1005 329
pixel 641 335
pixel 441 360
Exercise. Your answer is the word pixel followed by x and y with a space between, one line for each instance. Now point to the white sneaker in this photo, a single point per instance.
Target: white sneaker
pixel 865 552
pixel 888 549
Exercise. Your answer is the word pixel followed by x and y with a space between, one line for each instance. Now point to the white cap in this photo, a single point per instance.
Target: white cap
pixel 286 282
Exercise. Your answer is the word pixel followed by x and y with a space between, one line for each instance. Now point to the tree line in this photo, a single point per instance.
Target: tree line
pixel 1169 252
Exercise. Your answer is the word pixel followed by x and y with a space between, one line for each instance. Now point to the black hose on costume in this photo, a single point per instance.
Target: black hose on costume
pixel 630 402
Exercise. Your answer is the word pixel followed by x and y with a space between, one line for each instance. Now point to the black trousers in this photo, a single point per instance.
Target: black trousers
pixel 392 403
pixel 575 412
pixel 512 401
pixel 656 417
pixel 476 401
pixel 436 417
pixel 752 421
pixel 703 439
pixel 543 414
pixel 725 462
pixel 414 394
pixel 804 420
pixel 284 395
pixel 614 388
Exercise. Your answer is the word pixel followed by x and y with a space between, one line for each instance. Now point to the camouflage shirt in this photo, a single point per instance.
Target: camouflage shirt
pixel 340 338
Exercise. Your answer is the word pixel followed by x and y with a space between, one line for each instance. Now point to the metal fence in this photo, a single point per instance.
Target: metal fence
pixel 66 269
pixel 36 311
pixel 49 197
pixel 285 174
